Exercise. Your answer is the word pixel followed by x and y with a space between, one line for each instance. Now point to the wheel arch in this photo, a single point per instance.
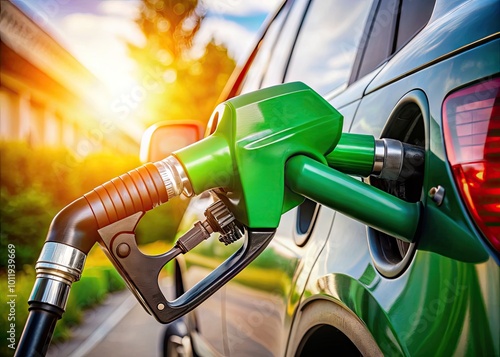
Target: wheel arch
pixel 326 322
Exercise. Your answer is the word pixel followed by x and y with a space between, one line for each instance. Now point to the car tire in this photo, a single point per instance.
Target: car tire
pixel 176 340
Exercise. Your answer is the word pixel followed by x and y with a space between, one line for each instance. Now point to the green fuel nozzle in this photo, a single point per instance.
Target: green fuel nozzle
pixel 256 134
pixel 266 151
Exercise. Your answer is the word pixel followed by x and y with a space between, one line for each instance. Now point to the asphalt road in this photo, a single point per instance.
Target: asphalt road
pixel 121 327
pixel 118 327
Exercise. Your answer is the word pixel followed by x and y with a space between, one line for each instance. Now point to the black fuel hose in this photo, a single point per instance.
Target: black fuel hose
pixel 39 327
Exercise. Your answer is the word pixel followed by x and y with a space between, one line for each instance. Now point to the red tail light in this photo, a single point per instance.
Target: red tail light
pixel 471 123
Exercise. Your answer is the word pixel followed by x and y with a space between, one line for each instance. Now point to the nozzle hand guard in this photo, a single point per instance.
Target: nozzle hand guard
pixel 141 271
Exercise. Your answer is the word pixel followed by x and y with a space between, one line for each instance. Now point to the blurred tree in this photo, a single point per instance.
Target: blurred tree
pixel 36 184
pixel 32 191
pixel 181 84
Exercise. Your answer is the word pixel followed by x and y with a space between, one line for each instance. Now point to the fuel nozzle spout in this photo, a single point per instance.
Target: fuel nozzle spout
pixel 390 159
pixel 398 161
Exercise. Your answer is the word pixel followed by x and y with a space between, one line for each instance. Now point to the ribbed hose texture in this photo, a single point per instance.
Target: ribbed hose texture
pixel 138 190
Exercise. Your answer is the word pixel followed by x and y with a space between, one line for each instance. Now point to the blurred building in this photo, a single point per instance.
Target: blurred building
pixel 47 97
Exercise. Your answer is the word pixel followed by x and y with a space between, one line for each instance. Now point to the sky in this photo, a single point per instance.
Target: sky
pixel 95 31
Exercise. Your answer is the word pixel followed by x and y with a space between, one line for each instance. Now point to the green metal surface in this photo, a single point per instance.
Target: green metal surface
pixel 256 134
pixel 353 154
pixel 354 198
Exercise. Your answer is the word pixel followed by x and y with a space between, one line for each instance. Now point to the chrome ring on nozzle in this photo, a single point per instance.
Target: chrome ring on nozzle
pixel 389 157
pixel 174 177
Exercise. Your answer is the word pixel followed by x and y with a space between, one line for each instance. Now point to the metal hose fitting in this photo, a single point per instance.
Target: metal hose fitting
pixel 174 177
pixel 395 160
pixel 58 267
pixel 388 160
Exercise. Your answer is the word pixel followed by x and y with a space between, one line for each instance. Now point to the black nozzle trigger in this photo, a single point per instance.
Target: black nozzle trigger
pixel 141 271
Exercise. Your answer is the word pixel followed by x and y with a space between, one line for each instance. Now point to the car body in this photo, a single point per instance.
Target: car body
pixel 328 284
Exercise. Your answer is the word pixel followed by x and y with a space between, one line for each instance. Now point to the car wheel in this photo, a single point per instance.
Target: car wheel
pixel 176 340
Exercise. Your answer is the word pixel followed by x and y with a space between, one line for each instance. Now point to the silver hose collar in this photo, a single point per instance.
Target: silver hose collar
pixel 49 291
pixel 393 158
pixel 174 177
pixel 58 267
pixel 61 260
